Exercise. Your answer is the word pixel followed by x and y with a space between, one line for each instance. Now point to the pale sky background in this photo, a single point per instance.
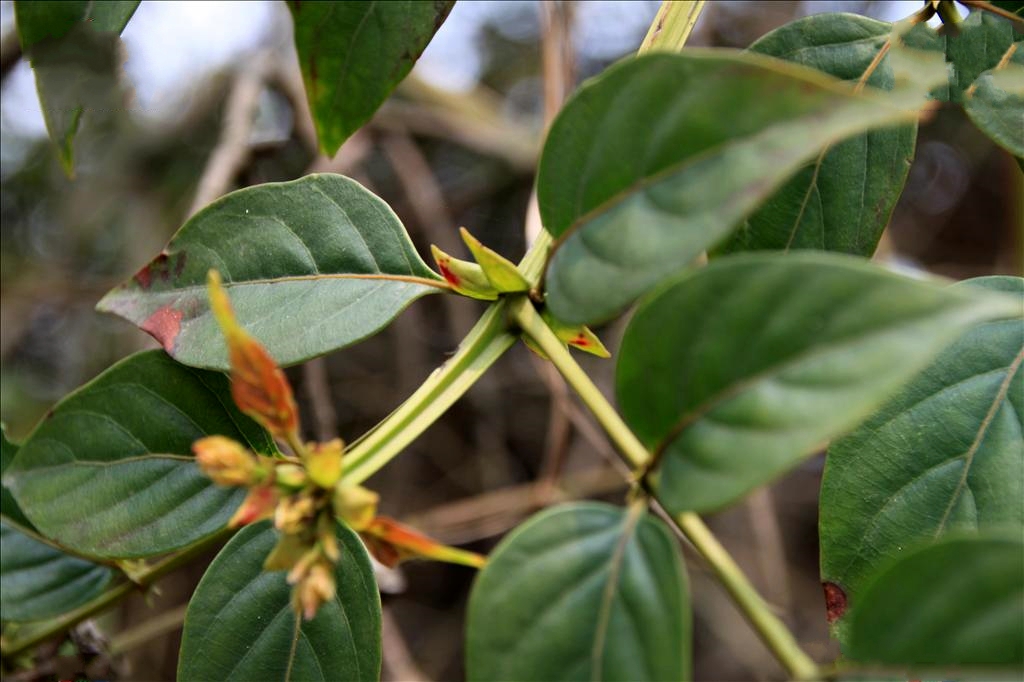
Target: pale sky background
pixel 172 46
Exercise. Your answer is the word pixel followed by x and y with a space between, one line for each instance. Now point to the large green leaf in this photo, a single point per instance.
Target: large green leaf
pixel 843 199
pixel 240 624
pixel 108 472
pixel 945 454
pixel 957 602
pixel 584 591
pixel 738 371
pixel 74 48
pixel 995 103
pixel 38 580
pixel 310 266
pixel 661 156
pixel 353 54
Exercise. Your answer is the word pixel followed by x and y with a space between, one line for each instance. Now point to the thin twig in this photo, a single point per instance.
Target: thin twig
pixel 233 150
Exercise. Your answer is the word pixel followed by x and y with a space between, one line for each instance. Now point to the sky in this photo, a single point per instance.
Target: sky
pixel 172 46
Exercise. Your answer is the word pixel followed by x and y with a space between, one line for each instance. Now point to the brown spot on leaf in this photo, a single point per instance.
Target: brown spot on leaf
pixel 164 325
pixel 835 602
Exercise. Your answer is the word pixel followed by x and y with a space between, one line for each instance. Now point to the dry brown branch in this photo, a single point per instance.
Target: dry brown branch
pixel 232 151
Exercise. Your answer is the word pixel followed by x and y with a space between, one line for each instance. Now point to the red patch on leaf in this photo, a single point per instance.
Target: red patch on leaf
pixel 163 266
pixel 448 275
pixel 835 602
pixel 164 325
pixel 580 341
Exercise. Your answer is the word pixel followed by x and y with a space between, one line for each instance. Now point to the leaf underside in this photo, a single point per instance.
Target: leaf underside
pixel 354 54
pixel 308 265
pixel 661 156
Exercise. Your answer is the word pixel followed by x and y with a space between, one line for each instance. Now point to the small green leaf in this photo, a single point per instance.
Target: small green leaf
pixel 74 49
pixel 38 581
pixel 240 624
pixel 661 156
pixel 583 591
pixel 502 273
pixel 843 199
pixel 311 266
pixel 738 371
pixel 944 454
pixel 995 103
pixel 957 602
pixel 109 472
pixel 353 54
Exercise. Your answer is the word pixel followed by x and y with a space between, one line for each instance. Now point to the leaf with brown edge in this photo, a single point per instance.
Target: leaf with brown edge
pixel 258 386
pixel 391 542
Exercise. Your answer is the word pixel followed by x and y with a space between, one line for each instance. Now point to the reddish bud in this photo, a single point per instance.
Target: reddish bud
pixel 391 542
pixel 258 386
pixel 226 461
pixel 258 505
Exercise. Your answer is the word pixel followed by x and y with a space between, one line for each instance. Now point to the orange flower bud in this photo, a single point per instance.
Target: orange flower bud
pixel 323 462
pixel 258 504
pixel 391 542
pixel 258 386
pixel 355 505
pixel 226 461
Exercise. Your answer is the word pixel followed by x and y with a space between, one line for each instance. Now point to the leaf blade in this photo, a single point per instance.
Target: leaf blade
pixel 843 200
pixel 109 473
pixel 354 54
pixel 680 159
pixel 734 401
pixel 587 629
pixel 311 265
pixel 240 624
pixel 941 455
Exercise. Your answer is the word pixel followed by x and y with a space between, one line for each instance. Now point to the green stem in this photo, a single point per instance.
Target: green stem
pixel 142 578
pixel 672 25
pixel 484 344
pixel 771 630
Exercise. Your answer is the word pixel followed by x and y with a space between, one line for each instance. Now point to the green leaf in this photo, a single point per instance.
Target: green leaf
pixel 979 45
pixel 942 455
pixel 311 266
pixel 39 20
pixel 583 591
pixel 957 602
pixel 995 103
pixel 661 156
pixel 75 52
pixel 843 199
pixel 738 371
pixel 240 624
pixel 353 54
pixel 109 471
pixel 38 580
